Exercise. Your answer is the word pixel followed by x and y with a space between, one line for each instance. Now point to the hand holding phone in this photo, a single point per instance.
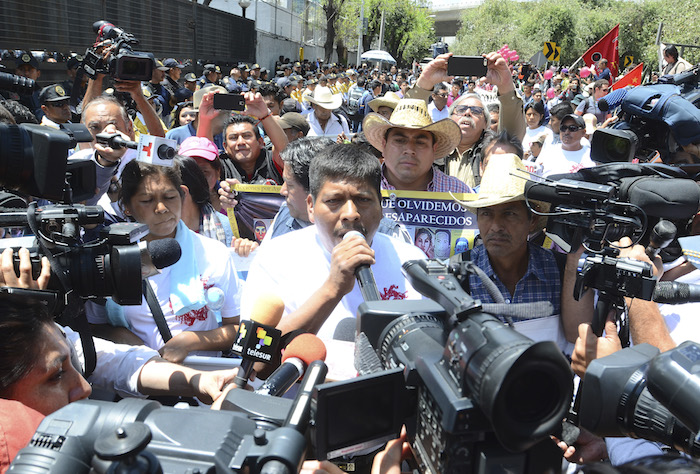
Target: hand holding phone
pixel 467 66
pixel 229 102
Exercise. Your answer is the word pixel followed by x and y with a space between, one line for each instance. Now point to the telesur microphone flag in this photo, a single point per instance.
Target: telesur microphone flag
pixel 606 47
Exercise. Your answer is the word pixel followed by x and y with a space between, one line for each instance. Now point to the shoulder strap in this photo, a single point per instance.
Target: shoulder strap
pixel 156 311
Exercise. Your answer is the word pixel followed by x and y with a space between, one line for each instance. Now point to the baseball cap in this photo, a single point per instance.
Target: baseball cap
pixel 160 66
pixel 578 120
pixel 255 66
pixel 211 68
pixel 190 77
pixel 198 147
pixel 294 120
pixel 171 63
pixel 27 58
pixel 53 93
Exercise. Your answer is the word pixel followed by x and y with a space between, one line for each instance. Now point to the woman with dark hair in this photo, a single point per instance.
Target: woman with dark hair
pixel 534 117
pixel 185 295
pixel 183 113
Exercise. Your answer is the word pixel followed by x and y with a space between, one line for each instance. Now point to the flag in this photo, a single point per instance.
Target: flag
pixel 606 47
pixel 632 78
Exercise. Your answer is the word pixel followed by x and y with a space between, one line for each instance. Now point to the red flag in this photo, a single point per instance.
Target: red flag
pixel 606 47
pixel 632 78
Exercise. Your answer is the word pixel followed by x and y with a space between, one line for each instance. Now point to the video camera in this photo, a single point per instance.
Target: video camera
pixel 639 393
pixel 34 161
pixel 18 84
pixel 654 121
pixel 123 62
pixel 482 394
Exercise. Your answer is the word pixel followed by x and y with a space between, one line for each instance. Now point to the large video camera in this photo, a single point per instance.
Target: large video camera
pixel 122 62
pixel 654 121
pixel 34 161
pixel 482 393
pixel 639 393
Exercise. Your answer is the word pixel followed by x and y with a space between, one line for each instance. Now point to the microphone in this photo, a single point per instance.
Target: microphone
pixel 670 198
pixel 662 234
pixel 345 330
pixel 299 354
pixel 158 254
pixel 365 277
pixel 257 339
pixel 672 292
pixel 612 100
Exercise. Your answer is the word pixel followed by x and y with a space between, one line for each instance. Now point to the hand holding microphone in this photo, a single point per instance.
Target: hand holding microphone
pixel 364 275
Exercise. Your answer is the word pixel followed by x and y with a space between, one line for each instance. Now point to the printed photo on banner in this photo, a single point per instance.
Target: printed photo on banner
pixel 435 222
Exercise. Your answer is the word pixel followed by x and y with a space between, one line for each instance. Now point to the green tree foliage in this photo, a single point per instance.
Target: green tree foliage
pixel 577 24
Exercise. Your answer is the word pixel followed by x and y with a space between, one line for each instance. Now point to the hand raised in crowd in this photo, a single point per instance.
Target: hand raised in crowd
pixel 345 258
pixel 227 195
pixel 498 73
pixel 243 247
pixel 433 72
pixel 255 106
pixel 131 87
pixel 588 347
pixel 8 276
pixel 207 112
pixel 638 252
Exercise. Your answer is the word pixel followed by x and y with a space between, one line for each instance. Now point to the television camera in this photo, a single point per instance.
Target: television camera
pixel 122 62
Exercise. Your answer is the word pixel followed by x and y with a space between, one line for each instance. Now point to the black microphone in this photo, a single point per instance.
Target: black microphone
pixel 164 252
pixel 670 198
pixel 365 277
pixel 612 100
pixel 298 355
pixel 345 330
pixel 672 292
pixel 662 234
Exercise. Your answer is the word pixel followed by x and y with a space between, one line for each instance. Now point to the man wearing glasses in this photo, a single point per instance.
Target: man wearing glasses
pixel 438 107
pixel 570 155
pixel 469 112
pixel 590 105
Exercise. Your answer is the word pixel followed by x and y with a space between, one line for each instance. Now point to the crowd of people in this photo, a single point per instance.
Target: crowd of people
pixel 333 138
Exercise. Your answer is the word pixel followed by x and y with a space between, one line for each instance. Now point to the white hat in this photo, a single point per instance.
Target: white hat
pixel 325 98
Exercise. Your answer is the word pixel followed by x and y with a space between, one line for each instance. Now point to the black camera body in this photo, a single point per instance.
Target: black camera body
pixel 482 394
pixel 123 62
pixel 622 276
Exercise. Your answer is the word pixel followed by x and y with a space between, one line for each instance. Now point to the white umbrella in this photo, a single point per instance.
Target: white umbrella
pixel 378 55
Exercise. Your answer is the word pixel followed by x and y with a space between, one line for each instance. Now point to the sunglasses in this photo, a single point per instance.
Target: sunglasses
pixel 441 95
pixel 570 128
pixel 462 110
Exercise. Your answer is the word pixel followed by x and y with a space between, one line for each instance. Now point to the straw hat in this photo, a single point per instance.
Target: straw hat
pixel 504 181
pixel 390 99
pixel 325 98
pixel 412 114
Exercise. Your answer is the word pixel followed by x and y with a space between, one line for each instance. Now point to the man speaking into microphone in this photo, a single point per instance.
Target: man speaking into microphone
pixel 312 270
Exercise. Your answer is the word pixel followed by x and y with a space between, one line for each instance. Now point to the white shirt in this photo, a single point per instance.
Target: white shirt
pixel 436 114
pixel 295 265
pixel 334 127
pixel 555 160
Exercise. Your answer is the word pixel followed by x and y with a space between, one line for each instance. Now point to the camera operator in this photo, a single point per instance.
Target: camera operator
pixel 41 363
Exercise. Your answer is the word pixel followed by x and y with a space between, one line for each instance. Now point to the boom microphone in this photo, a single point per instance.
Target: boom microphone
pixel 673 292
pixel 257 339
pixel 674 198
pixel 365 277
pixel 300 353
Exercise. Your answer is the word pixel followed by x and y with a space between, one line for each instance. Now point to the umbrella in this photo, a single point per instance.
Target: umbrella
pixel 378 55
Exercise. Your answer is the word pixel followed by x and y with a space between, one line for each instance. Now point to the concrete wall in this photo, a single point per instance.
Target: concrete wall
pixel 270 48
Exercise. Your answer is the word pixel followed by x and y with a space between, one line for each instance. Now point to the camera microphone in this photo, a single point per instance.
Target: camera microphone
pixel 299 354
pixel 662 234
pixel 158 254
pixel 612 100
pixel 364 275
pixel 673 292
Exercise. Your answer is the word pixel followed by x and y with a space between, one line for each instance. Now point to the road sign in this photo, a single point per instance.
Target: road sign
pixel 549 50
pixel 627 60
pixel 557 54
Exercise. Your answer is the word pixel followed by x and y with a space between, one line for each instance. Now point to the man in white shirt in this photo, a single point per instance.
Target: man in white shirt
pixel 322 121
pixel 438 109
pixel 570 155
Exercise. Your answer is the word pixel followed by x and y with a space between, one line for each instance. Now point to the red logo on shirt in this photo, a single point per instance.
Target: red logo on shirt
pixel 391 293
pixel 195 315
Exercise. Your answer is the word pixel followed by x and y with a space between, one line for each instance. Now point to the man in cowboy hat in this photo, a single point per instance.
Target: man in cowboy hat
pixel 522 271
pixel 410 142
pixel 322 121
pixel 385 104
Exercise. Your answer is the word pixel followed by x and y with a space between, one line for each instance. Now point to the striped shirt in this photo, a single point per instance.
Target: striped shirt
pixel 441 183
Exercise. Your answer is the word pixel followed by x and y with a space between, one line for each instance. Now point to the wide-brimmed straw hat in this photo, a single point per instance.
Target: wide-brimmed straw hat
pixel 325 98
pixel 412 114
pixel 504 181
pixel 390 99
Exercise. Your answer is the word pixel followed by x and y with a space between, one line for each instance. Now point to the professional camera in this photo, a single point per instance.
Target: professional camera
pixel 482 394
pixel 655 121
pixel 639 393
pixel 18 84
pixel 123 62
pixel 33 160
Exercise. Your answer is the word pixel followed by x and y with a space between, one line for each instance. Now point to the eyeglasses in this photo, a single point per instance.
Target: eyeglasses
pixel 444 96
pixel 570 128
pixel 462 110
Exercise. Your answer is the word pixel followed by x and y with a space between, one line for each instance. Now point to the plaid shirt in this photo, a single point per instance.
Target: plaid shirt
pixel 441 183
pixel 541 281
